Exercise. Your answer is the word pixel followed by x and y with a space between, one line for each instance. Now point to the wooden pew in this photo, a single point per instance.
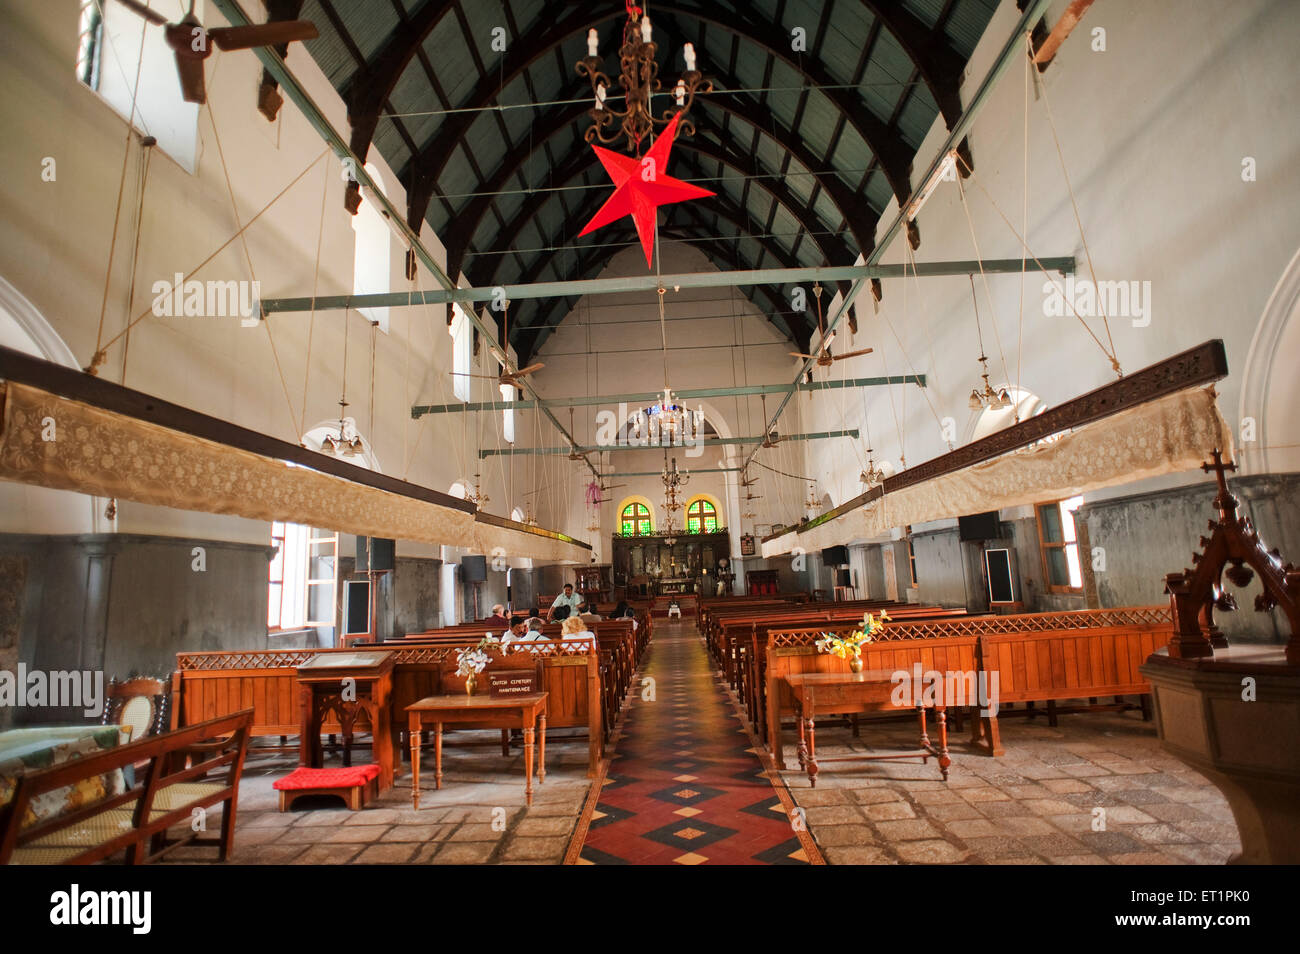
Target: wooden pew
pixel 215 683
pixel 752 657
pixel 1026 657
pixel 172 785
pixel 793 651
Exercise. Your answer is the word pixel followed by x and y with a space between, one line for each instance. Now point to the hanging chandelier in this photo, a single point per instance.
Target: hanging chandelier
pixel 674 480
pixel 639 78
pixel 348 443
pixel 477 497
pixel 812 503
pixel 873 474
pixel 986 397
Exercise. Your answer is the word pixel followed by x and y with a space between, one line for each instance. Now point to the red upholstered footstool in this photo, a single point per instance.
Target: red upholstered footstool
pixel 356 785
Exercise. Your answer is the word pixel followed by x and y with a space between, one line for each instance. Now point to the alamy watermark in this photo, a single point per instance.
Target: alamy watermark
pixel 210 299
pixel 57 688
pixel 949 689
pixel 654 427
pixel 1086 299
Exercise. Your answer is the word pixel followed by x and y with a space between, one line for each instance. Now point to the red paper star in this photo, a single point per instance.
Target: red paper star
pixel 641 186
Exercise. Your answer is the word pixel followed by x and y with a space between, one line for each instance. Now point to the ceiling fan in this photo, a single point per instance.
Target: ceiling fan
pixel 510 377
pixel 770 438
pixel 189 39
pixel 823 357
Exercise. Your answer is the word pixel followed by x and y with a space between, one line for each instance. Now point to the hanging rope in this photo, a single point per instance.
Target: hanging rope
pixel 984 280
pixel 99 355
pixel 248 258
pixel 315 284
pixel 1078 221
pixel 135 252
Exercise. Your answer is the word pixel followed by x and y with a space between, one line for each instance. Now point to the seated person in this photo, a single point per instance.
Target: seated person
pixel 622 611
pixel 535 625
pixel 574 626
pixel 498 615
pixel 518 627
pixel 534 612
pixel 588 613
pixel 559 614
pixel 568 599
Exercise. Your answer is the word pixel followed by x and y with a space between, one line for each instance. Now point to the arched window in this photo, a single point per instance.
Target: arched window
pixel 634 521
pixel 701 516
pixel 461 330
pixel 372 263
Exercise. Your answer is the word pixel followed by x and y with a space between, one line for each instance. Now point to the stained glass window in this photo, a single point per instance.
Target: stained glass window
pixel 635 521
pixel 701 517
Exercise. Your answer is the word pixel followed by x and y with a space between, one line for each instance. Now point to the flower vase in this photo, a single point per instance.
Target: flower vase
pixel 471 683
pixel 855 663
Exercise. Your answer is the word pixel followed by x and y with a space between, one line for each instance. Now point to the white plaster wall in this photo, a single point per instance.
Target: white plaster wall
pixel 1153 132
pixel 55 242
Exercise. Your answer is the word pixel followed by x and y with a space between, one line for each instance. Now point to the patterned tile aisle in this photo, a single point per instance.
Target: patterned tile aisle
pixel 683 784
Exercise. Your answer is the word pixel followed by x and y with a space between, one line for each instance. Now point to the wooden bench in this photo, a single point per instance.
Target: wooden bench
pixel 1025 657
pixel 172 788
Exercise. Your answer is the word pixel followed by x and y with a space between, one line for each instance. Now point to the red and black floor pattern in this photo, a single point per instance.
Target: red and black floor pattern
pixel 684 784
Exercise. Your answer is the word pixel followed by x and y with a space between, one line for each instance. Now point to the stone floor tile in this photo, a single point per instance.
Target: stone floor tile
pixel 906 830
pixel 931 852
pixel 393 853
pixel 866 855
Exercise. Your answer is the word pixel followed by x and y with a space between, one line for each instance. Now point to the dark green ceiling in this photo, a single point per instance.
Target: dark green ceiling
pixel 805 144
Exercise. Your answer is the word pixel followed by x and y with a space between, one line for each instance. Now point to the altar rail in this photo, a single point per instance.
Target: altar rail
pixel 212 684
pixel 1037 657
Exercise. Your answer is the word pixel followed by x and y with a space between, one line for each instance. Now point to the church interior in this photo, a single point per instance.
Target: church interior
pixel 572 432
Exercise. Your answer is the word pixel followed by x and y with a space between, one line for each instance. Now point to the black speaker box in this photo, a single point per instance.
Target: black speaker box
pixel 382 554
pixel 473 569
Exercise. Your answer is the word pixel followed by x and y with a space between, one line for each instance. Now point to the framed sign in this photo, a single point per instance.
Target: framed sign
pixel 747 546
pixel 503 683
pixel 1002 589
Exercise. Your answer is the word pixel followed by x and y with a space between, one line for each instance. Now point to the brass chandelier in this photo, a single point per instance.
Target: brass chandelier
pixel 639 78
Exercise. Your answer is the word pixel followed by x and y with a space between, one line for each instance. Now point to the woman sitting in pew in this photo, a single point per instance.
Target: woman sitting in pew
pixel 574 626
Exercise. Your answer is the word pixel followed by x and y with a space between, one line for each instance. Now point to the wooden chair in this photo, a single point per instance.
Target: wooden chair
pixel 138 706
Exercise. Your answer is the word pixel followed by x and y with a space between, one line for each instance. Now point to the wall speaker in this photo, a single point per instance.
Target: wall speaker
pixel 381 555
pixel 473 569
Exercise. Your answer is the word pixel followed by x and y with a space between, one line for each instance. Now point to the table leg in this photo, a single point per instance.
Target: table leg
pixel 541 751
pixel 415 762
pixel 437 756
pixel 925 736
pixel 944 760
pixel 528 763
pixel 803 743
pixel 812 752
pixel 505 742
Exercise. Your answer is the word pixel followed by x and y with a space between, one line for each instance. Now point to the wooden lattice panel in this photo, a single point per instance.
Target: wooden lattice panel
pixel 1026 623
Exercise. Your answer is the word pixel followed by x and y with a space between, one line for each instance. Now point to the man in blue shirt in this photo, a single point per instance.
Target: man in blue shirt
pixel 567 598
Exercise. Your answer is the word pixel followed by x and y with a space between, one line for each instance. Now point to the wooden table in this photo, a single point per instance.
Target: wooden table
pixel 347 684
pixel 851 693
pixel 483 712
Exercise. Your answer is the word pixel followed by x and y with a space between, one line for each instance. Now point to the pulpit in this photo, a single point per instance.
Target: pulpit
pixel 1233 712
pixel 348 685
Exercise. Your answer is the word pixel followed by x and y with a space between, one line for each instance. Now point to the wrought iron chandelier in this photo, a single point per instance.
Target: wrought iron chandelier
pixel 639 78
pixel 674 480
